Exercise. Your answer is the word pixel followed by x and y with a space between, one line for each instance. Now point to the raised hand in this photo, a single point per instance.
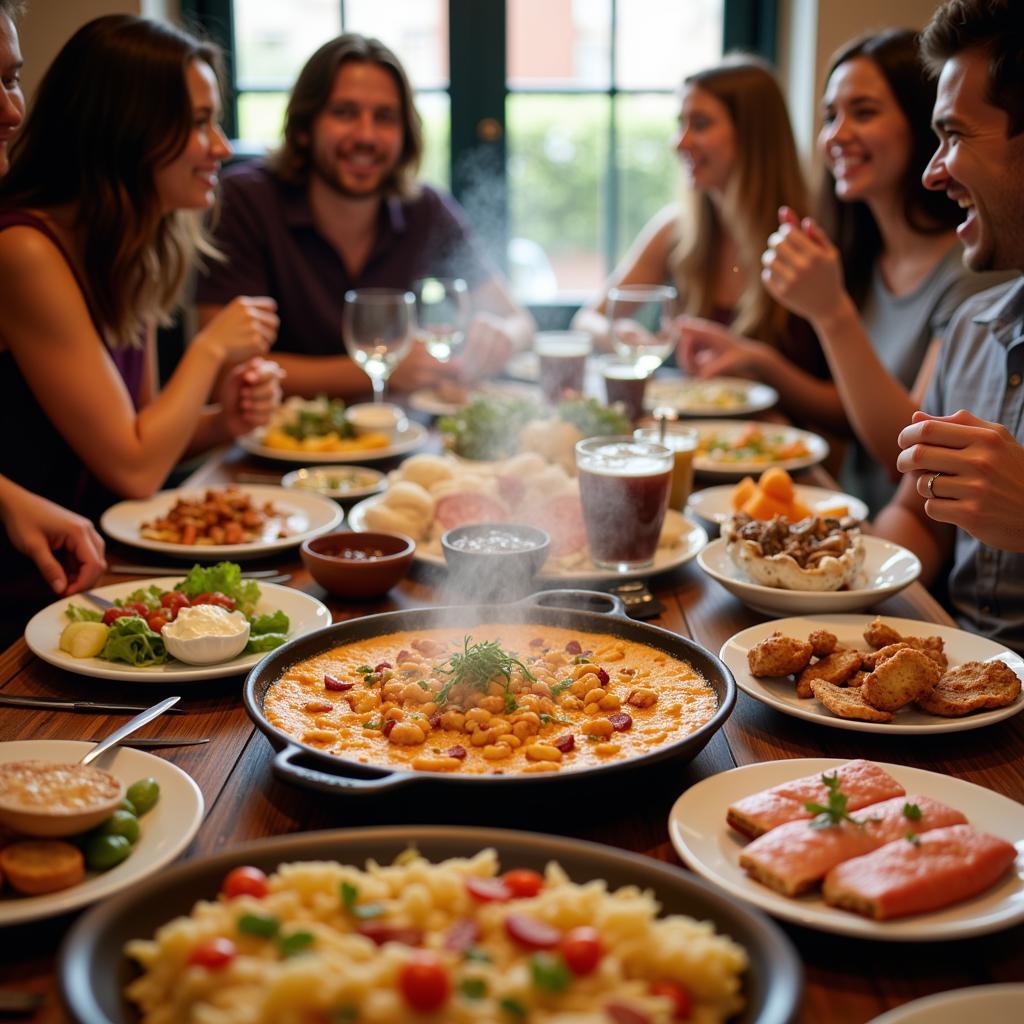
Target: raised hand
pixel 246 327
pixel 971 473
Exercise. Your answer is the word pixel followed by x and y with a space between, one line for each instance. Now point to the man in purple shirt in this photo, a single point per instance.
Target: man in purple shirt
pixel 338 207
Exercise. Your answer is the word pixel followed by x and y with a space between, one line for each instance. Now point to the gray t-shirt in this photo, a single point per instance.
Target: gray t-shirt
pixel 981 369
pixel 901 327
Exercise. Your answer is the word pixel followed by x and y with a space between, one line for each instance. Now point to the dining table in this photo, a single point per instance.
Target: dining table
pixel 847 980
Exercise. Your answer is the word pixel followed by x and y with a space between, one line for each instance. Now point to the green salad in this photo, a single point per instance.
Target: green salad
pixel 130 631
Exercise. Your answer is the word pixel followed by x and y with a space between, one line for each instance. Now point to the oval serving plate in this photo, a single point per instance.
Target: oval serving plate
pixel 165 831
pixel 700 835
pixel 405 441
pixel 93 968
pixel 342 483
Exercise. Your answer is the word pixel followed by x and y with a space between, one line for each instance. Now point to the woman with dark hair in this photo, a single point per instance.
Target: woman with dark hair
pixel 882 295
pixel 99 227
pixel 736 147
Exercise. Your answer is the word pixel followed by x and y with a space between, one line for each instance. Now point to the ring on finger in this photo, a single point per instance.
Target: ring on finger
pixel 930 486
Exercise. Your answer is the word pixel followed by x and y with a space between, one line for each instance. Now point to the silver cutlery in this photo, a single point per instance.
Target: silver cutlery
pixel 74 705
pixel 122 569
pixel 162 741
pixel 128 728
pixel 100 602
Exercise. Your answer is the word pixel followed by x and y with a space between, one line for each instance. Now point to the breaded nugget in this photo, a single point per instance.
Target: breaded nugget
pixel 836 668
pixel 778 655
pixel 822 642
pixel 933 646
pixel 900 680
pixel 875 658
pixel 878 634
pixel 972 686
pixel 847 702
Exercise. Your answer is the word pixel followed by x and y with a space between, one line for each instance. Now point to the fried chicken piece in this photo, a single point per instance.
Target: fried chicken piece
pixel 878 634
pixel 836 668
pixel 847 702
pixel 778 655
pixel 822 642
pixel 875 658
pixel 900 680
pixel 972 686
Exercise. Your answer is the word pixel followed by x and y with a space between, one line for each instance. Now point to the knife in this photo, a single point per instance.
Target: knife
pixel 74 705
pixel 161 741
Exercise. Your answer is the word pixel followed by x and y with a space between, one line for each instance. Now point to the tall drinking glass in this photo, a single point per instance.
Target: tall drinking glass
pixel 641 324
pixel 442 312
pixel 378 327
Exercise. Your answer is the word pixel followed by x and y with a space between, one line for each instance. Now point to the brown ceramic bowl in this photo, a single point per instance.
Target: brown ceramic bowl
pixel 349 564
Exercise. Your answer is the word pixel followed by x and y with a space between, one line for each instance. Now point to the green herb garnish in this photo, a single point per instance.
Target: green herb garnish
pixel 478 955
pixel 349 896
pixel 511 1005
pixel 834 813
pixel 473 988
pixel 913 838
pixel 476 666
pixel 561 686
pixel 295 943
pixel 549 972
pixel 372 724
pixel 258 924
pixel 912 812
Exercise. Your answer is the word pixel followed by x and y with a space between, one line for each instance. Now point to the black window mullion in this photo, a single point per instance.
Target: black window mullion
pixel 611 177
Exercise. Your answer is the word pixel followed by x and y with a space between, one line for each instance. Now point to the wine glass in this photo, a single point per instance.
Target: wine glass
pixel 378 327
pixel 442 311
pixel 641 324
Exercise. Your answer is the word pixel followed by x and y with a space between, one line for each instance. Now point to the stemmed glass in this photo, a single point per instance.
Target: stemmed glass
pixel 641 324
pixel 442 311
pixel 378 325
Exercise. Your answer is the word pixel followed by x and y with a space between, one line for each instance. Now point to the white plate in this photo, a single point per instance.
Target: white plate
pixel 714 504
pixel 986 1004
pixel 888 568
pixel 166 830
pixel 414 436
pixel 318 480
pixel 716 396
pixel 817 448
pixel 306 514
pixel 780 694
pixel 705 842
pixel 428 401
pixel 42 635
pixel 666 558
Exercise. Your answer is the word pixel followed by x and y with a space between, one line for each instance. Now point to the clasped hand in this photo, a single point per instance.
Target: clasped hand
pixel 981 483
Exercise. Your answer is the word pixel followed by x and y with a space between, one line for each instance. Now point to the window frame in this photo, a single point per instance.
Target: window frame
pixel 478 90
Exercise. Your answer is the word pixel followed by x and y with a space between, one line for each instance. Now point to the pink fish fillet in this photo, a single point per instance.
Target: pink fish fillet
pixel 796 856
pixel 862 781
pixel 902 878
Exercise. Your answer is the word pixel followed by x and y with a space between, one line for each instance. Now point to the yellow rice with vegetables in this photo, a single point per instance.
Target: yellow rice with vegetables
pixel 326 943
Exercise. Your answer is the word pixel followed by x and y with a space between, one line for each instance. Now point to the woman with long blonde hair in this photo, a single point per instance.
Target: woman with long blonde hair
pixel 737 150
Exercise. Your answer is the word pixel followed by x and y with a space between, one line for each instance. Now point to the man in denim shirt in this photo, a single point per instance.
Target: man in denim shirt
pixel 969 466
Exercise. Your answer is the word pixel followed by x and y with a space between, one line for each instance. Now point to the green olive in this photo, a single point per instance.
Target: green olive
pixel 121 823
pixel 127 805
pixel 144 794
pixel 105 852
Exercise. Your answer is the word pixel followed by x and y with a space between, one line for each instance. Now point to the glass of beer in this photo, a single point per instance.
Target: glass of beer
pixel 682 440
pixel 624 383
pixel 624 487
pixel 563 362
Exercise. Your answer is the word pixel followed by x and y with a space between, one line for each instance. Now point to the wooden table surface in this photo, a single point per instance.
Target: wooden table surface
pixel 848 981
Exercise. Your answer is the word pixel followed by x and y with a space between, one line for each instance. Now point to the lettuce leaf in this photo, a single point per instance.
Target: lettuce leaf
pixel 76 613
pixel 262 642
pixel 274 623
pixel 149 596
pixel 225 577
pixel 132 641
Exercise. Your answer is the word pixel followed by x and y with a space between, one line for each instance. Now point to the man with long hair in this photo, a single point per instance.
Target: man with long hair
pixel 338 206
pixel 969 466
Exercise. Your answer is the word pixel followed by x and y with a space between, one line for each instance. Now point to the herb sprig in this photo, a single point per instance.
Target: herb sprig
pixel 476 666
pixel 835 812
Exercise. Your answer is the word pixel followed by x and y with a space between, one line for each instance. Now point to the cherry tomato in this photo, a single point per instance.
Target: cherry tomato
pixel 138 608
pixel 676 994
pixel 244 881
pixel 488 890
pixel 213 954
pixel 157 620
pixel 215 597
pixel 174 601
pixel 425 983
pixel 522 883
pixel 112 614
pixel 582 949
pixel 531 933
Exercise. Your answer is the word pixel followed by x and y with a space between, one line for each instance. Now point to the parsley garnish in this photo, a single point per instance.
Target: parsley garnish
pixel 349 895
pixel 549 972
pixel 477 666
pixel 913 838
pixel 511 1005
pixel 473 988
pixel 562 685
pixel 258 924
pixel 297 942
pixel 373 724
pixel 912 812
pixel 365 670
pixel 834 813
